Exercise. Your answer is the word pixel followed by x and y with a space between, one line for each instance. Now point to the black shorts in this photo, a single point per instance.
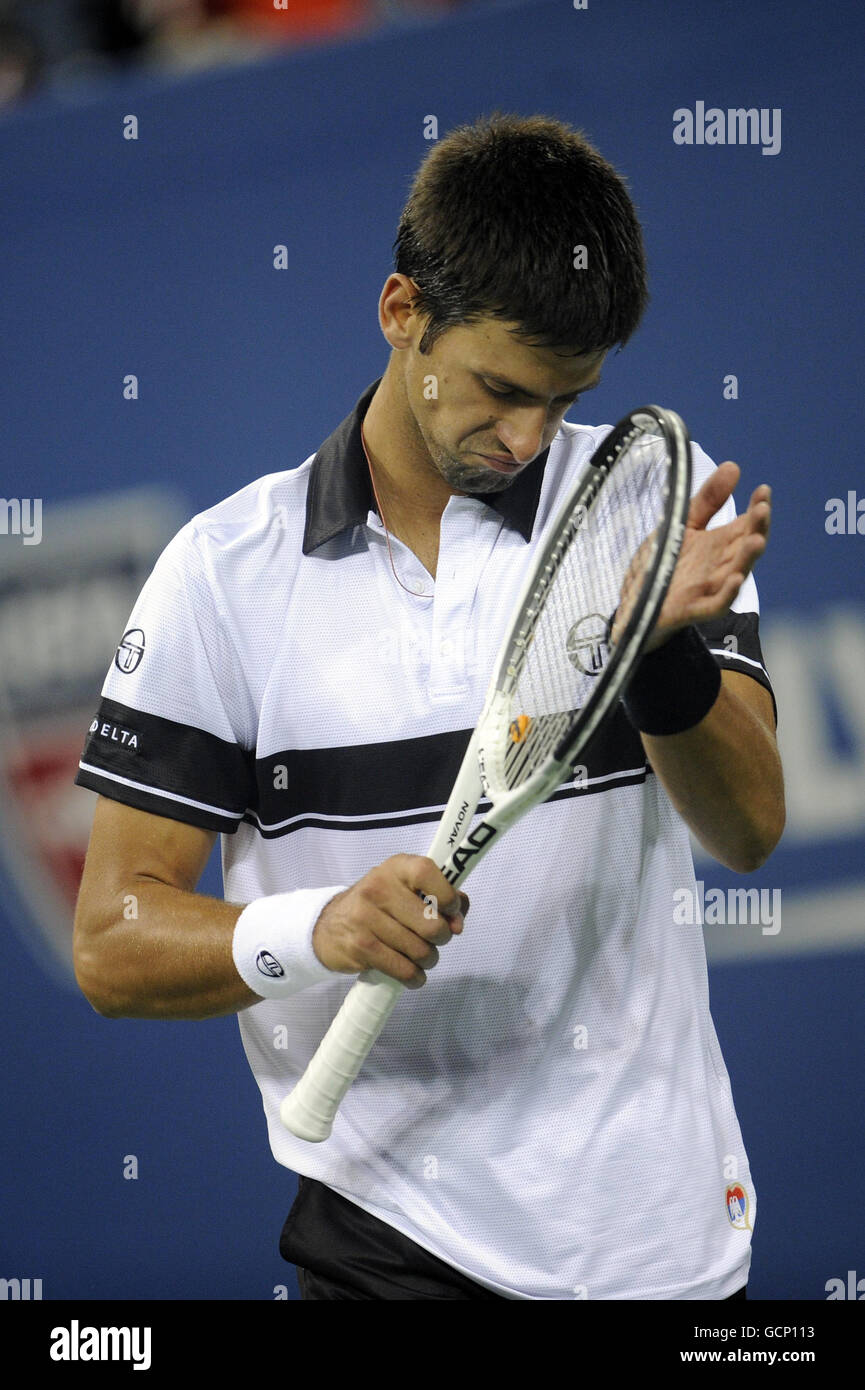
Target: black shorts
pixel 341 1251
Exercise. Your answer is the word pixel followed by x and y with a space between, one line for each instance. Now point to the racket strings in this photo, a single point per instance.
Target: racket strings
pixel 565 640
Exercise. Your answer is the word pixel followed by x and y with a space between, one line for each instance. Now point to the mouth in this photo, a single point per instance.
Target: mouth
pixel 501 465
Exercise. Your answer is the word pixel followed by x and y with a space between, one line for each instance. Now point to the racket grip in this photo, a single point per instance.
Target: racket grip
pixel 310 1109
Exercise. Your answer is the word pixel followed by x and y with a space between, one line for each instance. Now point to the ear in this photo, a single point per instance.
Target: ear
pixel 401 325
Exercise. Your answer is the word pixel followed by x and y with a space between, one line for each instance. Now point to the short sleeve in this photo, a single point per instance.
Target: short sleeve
pixel 167 736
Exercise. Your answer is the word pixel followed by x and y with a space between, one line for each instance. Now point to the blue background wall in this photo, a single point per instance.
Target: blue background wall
pixel 155 257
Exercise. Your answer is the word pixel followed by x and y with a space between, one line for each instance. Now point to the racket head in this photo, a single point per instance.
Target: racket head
pixel 557 674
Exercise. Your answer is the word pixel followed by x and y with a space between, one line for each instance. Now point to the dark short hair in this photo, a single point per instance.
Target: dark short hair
pixel 494 214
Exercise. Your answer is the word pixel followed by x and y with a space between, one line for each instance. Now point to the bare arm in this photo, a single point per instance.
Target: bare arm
pixel 147 945
pixel 724 775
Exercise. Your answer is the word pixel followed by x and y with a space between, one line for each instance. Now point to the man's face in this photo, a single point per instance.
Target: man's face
pixel 486 404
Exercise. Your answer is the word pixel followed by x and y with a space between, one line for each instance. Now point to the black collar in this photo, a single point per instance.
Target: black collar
pixel 340 492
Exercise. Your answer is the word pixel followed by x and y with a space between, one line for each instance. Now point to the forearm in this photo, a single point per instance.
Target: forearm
pixel 724 777
pixel 163 953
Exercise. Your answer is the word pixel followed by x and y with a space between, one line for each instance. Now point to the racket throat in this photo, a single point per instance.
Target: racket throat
pixel 478 841
pixel 496 734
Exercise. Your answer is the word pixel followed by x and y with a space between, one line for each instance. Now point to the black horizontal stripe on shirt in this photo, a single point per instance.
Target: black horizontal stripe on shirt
pixel 406 781
pixel 565 793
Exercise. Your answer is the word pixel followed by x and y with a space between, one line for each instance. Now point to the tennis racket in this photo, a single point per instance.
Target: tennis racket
pixel 578 629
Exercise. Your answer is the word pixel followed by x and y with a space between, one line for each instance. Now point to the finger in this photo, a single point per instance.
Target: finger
pixel 412 933
pixel 744 549
pixel 720 590
pixel 456 920
pixel 739 546
pixel 395 964
pixel 709 595
pixel 751 552
pixel 423 876
pixel 413 945
pixel 763 493
pixel 420 913
pixel 385 945
pixel 404 888
pixel 715 491
pixel 759 516
pixel 727 595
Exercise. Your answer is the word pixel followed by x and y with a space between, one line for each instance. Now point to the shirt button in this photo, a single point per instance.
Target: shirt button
pixel 416 586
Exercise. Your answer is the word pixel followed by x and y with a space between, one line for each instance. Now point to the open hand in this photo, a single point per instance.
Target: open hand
pixel 712 565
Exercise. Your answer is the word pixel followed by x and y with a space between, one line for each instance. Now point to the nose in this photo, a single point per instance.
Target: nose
pixel 522 433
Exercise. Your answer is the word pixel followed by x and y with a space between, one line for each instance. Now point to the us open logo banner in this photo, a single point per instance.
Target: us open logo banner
pixel 64 607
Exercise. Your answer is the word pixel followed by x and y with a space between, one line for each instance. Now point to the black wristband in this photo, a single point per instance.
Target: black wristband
pixel 673 687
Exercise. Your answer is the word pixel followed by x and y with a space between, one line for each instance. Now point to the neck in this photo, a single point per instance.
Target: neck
pixel 413 493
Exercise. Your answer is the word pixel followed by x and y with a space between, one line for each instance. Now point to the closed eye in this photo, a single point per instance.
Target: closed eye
pixel 511 394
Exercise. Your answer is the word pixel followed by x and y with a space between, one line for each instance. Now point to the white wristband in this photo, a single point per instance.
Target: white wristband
pixel 272 942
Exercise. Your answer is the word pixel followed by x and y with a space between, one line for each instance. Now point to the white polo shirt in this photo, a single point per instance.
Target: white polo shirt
pixel 550 1113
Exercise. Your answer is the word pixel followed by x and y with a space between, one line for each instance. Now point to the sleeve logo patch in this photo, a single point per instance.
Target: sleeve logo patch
pixel 130 650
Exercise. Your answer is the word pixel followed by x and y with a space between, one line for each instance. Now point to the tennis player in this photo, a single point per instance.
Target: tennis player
pixel 547 1115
